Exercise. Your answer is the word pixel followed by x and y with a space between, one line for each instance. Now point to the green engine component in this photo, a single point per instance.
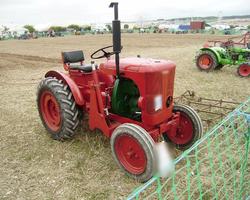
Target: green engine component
pixel 124 99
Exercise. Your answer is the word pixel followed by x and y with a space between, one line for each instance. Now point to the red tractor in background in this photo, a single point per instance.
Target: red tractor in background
pixel 130 100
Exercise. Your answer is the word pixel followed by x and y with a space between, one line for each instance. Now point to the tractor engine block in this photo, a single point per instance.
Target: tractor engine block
pixel 125 99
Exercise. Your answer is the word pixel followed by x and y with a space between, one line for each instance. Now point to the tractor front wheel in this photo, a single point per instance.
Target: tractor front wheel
pixel 57 108
pixel 244 70
pixel 206 61
pixel 189 130
pixel 132 149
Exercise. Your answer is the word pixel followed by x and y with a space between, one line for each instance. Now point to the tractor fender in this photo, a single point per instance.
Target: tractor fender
pixel 72 85
pixel 215 51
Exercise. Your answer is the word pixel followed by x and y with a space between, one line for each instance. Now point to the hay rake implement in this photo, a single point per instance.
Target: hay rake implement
pixel 210 110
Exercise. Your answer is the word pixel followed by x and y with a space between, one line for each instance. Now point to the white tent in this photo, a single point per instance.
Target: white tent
pixel 99 27
pixel 168 26
pixel 240 28
pixel 42 27
pixel 18 30
pixel 221 26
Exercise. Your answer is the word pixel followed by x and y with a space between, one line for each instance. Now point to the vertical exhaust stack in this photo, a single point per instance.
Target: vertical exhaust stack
pixel 116 30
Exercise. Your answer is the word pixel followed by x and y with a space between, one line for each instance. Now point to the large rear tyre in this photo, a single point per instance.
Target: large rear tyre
pixel 57 108
pixel 206 61
pixel 190 128
pixel 132 149
pixel 244 70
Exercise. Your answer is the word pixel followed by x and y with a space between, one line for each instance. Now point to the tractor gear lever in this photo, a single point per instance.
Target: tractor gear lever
pixel 93 65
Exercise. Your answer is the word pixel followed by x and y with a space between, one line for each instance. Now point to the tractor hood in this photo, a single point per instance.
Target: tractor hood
pixel 135 64
pixel 155 80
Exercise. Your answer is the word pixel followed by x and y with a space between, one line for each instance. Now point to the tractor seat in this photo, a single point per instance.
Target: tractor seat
pixel 70 59
pixel 84 68
pixel 73 56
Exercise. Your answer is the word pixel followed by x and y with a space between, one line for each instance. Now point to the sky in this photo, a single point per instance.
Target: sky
pixel 64 12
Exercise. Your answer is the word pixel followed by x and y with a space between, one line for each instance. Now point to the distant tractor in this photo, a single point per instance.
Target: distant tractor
pixel 130 100
pixel 219 54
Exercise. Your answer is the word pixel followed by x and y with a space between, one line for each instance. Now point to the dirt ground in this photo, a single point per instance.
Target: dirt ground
pixel 33 166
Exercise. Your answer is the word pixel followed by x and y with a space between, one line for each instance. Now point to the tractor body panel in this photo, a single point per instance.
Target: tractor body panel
pixel 80 84
pixel 71 83
pixel 217 51
pixel 85 80
pixel 155 82
pixel 138 65
pixel 143 95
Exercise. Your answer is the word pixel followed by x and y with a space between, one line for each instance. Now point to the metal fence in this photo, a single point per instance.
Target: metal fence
pixel 215 167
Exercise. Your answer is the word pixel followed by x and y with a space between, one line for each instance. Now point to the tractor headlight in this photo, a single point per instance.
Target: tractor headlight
pixel 158 102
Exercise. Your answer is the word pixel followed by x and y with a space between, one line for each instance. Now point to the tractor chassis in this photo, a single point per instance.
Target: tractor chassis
pixel 107 122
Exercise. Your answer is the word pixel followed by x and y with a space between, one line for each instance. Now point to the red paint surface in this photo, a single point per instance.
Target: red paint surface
pixel 50 110
pixel 70 82
pixel 152 77
pixel 185 131
pixel 244 70
pixel 197 25
pixel 205 61
pixel 130 154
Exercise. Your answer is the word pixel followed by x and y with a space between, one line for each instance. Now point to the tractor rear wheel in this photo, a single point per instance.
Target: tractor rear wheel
pixel 57 108
pixel 132 149
pixel 244 70
pixel 189 130
pixel 206 61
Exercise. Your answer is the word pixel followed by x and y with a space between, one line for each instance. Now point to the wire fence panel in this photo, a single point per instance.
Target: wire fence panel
pixel 215 167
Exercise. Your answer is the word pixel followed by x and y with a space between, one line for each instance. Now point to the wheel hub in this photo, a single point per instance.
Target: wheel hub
pixel 244 70
pixel 50 110
pixel 131 154
pixel 205 61
pixel 184 132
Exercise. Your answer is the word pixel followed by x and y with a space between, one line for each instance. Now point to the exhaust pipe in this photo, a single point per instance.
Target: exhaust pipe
pixel 116 30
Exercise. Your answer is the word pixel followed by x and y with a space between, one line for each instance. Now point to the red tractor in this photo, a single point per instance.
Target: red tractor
pixel 130 100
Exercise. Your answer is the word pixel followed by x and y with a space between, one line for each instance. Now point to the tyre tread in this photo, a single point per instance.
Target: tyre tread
pixel 68 110
pixel 215 62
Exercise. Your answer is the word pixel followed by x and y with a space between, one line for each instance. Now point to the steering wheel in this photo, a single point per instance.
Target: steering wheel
pixel 106 54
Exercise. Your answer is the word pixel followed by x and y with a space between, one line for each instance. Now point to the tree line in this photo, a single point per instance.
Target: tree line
pixel 75 27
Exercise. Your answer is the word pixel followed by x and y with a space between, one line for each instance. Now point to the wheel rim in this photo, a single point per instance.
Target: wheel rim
pixel 205 61
pixel 130 154
pixel 244 70
pixel 185 131
pixel 50 110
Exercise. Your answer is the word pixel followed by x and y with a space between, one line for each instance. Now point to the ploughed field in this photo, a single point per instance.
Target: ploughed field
pixel 33 166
